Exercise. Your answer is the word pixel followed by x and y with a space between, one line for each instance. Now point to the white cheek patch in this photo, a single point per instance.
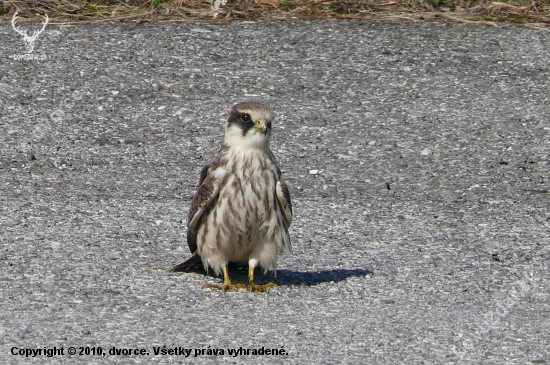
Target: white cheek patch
pixel 233 135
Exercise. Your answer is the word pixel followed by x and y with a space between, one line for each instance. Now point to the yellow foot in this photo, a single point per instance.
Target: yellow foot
pixel 259 288
pixel 249 287
pixel 225 287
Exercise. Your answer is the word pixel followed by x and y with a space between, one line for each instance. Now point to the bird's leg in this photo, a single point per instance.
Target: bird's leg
pixel 251 275
pixel 253 287
pixel 227 284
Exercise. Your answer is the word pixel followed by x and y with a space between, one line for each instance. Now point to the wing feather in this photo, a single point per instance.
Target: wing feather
pixel 272 158
pixel 203 201
pixel 283 197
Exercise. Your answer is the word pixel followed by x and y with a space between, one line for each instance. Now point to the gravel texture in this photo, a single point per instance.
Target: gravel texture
pixel 417 155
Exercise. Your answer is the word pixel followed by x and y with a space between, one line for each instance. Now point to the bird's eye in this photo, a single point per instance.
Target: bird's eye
pixel 245 117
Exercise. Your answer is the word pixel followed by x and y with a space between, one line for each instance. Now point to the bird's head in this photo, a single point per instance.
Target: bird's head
pixel 249 125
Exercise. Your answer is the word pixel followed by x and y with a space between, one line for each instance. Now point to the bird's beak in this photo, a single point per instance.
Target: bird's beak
pixel 261 126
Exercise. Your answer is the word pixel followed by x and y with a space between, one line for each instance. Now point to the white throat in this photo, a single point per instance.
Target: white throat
pixel 252 140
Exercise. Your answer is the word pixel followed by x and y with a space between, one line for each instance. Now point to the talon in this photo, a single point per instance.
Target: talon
pixel 260 288
pixel 228 285
pixel 257 288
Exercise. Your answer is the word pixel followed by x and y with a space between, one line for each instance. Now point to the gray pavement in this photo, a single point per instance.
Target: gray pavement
pixel 417 155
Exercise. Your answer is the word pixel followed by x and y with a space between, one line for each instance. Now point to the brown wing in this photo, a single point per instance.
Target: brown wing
pixel 203 201
pixel 283 197
pixel 272 158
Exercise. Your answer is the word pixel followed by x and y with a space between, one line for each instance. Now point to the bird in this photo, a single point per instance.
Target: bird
pixel 241 211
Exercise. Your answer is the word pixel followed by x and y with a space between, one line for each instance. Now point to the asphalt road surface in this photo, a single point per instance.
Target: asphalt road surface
pixel 417 155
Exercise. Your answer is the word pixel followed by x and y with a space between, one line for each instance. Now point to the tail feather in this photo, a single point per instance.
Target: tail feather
pixel 192 264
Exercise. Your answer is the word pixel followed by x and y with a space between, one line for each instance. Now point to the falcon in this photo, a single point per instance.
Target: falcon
pixel 241 211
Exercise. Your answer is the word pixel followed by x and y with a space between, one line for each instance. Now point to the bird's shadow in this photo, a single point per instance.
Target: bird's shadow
pixel 309 278
pixel 289 277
